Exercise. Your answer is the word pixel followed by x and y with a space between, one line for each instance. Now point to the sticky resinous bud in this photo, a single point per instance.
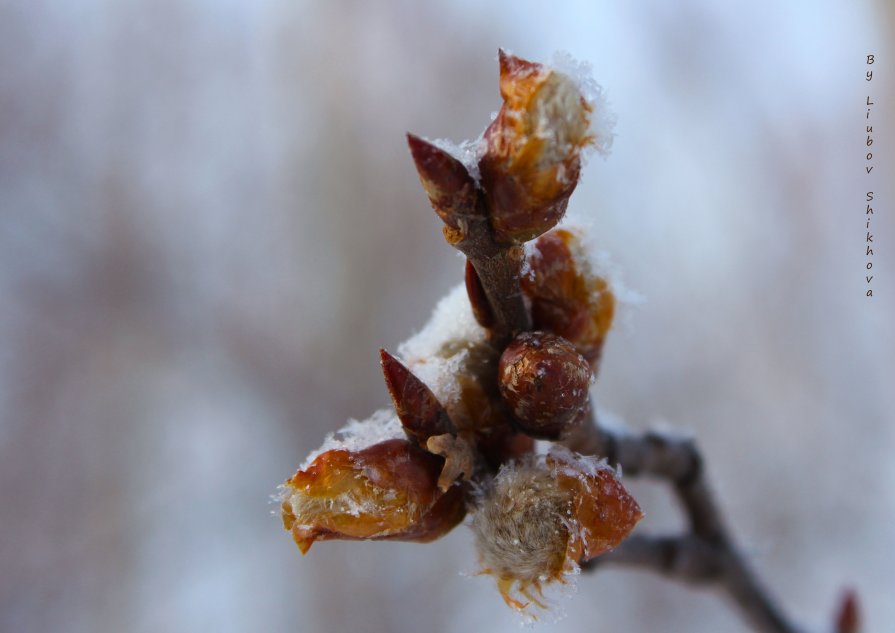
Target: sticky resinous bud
pixel 567 297
pixel 451 189
pixel 386 490
pixel 538 519
pixel 426 422
pixel 545 382
pixel 533 152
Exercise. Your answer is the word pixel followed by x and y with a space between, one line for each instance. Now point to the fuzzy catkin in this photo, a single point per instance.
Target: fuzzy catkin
pixel 521 526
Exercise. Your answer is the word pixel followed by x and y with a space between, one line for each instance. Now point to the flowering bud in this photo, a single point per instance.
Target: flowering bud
pixel 566 297
pixel 539 519
pixel 545 382
pixel 386 491
pixel 532 160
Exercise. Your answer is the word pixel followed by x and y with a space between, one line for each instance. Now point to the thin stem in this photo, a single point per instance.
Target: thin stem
pixel 706 554
pixel 499 269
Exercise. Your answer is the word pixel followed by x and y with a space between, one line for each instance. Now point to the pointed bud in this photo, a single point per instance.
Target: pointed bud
pixel 545 382
pixel 848 619
pixel 481 308
pixel 566 297
pixel 417 407
pixel 451 190
pixel 539 519
pixel 386 491
pixel 532 160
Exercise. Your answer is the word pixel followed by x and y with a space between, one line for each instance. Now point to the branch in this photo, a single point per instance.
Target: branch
pixel 498 268
pixel 459 201
pixel 706 555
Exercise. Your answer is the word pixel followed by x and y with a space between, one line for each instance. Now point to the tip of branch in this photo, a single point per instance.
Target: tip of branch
pixel 848 616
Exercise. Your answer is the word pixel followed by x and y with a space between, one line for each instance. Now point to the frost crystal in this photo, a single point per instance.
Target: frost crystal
pixel 467 152
pixel 359 434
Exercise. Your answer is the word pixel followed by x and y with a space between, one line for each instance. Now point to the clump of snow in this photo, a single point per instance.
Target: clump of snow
pixel 436 355
pixel 602 119
pixel 437 352
pixel 599 263
pixel 572 464
pixel 360 434
pixel 467 152
pixel 612 421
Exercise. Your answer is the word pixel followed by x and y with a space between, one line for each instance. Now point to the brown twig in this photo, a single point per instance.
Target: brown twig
pixel 498 267
pixel 706 555
pixel 459 201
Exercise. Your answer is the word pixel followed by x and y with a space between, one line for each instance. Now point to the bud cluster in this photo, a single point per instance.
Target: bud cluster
pixel 468 406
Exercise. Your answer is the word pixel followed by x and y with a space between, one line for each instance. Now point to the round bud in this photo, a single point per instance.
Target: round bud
pixel 544 381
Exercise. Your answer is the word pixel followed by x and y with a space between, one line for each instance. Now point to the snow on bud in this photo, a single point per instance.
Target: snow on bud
pixel 385 491
pixel 540 518
pixel 567 298
pixel 533 155
pixel 420 412
pixel 426 422
pixel 452 191
pixel 545 382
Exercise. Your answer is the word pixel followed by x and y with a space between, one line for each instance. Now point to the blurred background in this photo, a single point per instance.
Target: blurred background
pixel 209 222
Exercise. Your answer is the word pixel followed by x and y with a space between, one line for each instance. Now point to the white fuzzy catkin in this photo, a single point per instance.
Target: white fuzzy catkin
pixel 602 120
pixel 521 526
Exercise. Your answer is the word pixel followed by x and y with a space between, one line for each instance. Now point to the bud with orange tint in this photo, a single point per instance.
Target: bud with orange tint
pixel 540 518
pixel 385 491
pixel 533 155
pixel 567 299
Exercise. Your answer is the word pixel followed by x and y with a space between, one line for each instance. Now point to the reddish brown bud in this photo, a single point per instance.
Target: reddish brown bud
pixel 417 407
pixel 481 308
pixel 451 190
pixel 545 382
pixel 538 520
pixel 386 491
pixel 566 298
pixel 532 160
pixel 848 618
